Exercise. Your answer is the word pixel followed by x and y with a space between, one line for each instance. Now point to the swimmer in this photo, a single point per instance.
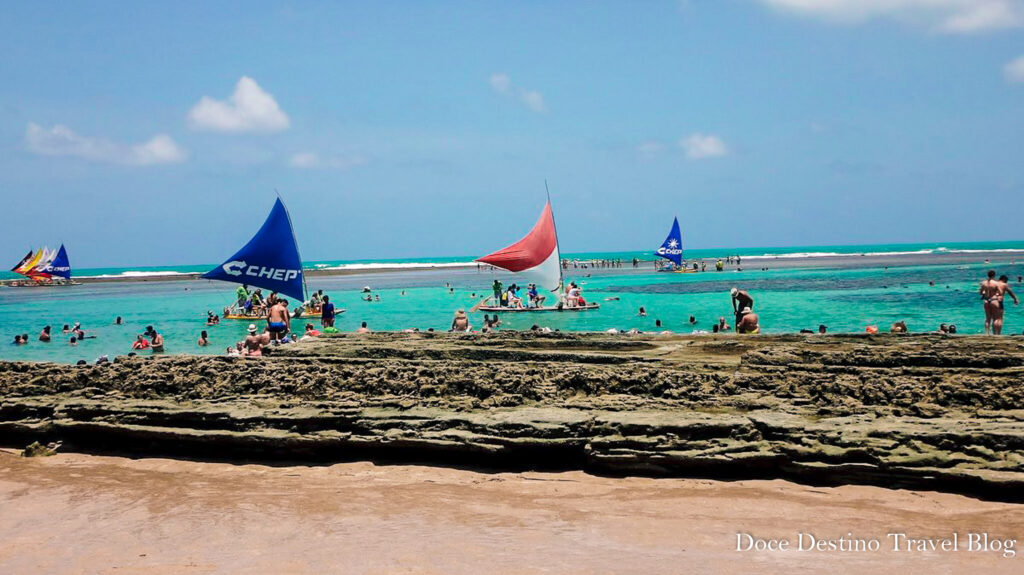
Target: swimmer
pixel 204 340
pixel 140 342
pixel 157 343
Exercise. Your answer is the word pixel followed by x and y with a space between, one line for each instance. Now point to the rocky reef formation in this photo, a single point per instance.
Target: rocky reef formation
pixel 931 412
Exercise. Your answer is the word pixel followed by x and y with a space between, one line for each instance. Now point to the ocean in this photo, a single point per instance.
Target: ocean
pixel 845 288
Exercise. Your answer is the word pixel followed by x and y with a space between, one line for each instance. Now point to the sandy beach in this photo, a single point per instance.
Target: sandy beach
pixel 91 514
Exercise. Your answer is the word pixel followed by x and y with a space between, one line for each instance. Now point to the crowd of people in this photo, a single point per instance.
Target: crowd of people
pixel 512 298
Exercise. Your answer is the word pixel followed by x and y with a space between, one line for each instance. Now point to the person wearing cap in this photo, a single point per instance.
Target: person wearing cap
pixel 740 299
pixel 748 322
pixel 253 342
pixel 461 322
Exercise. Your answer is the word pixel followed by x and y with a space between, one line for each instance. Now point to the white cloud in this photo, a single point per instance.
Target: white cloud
pixel 249 109
pixel 948 16
pixel 1014 71
pixel 702 146
pixel 310 160
pixel 532 99
pixel 62 141
pixel 500 83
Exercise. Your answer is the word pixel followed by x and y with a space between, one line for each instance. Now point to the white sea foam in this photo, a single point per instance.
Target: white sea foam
pixel 139 274
pixel 805 255
pixel 396 265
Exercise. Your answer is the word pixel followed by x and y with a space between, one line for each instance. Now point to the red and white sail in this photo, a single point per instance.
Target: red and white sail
pixel 536 255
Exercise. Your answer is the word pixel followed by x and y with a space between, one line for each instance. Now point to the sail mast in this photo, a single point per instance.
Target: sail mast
pixel 561 278
pixel 305 289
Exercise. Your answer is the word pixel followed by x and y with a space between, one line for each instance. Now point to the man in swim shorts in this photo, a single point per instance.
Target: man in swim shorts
pixel 278 321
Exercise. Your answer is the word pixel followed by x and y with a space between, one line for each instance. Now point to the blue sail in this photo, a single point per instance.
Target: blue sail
pixel 672 248
pixel 270 260
pixel 60 266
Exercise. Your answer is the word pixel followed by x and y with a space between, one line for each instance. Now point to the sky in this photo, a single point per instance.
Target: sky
pixel 156 133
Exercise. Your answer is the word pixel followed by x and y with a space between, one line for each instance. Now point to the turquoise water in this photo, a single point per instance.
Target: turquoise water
pixel 787 300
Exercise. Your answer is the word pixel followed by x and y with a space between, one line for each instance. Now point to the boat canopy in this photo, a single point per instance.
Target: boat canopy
pixel 536 254
pixel 270 260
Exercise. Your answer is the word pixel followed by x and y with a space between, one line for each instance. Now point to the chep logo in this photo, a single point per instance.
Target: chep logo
pixel 240 268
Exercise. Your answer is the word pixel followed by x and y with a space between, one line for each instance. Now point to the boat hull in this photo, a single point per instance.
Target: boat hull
pixel 40 285
pixel 588 307
pixel 303 315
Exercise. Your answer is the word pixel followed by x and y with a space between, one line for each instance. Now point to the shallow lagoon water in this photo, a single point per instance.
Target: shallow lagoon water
pixel 846 299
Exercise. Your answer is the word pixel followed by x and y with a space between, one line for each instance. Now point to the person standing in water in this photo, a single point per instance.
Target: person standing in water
pixel 327 312
pixel 45 334
pixel 740 299
pixel 156 341
pixel 278 320
pixel 993 292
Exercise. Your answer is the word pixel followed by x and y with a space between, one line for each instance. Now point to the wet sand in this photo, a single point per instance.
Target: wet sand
pixel 76 513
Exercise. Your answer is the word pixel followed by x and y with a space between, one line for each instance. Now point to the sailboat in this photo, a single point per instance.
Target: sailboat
pixel 536 256
pixel 44 267
pixel 270 261
pixel 672 250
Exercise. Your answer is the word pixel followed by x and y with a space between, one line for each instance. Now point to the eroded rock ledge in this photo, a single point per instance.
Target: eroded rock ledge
pixel 927 412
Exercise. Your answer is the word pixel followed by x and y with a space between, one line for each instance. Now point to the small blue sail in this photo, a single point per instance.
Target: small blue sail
pixel 270 260
pixel 672 248
pixel 60 266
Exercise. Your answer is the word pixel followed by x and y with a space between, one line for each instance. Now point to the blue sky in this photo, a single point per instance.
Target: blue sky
pixel 427 129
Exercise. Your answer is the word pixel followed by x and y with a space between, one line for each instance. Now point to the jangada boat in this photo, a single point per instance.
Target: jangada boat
pixel 307 312
pixel 270 261
pixel 672 250
pixel 44 268
pixel 537 257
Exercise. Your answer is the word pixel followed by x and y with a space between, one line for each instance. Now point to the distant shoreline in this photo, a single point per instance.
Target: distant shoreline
pixel 752 263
